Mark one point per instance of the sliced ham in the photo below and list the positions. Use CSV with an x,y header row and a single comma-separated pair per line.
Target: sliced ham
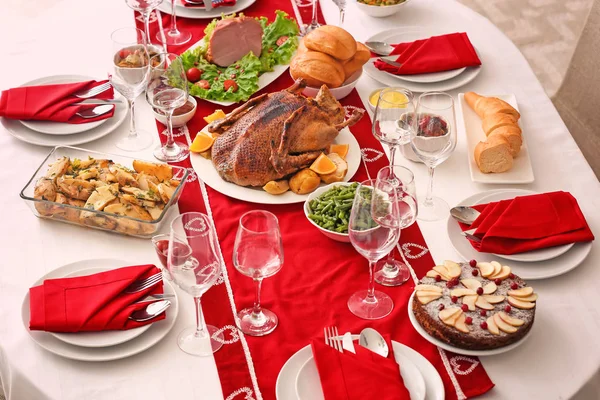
x,y
232,39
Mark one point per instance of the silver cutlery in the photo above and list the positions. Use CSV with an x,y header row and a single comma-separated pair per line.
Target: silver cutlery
x,y
347,343
96,90
142,284
150,311
208,4
95,112
155,297
470,234
342,6
97,101
372,340
380,48
392,63
332,338
464,214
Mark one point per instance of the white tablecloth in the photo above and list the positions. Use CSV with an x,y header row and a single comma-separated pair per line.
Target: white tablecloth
x,y
72,36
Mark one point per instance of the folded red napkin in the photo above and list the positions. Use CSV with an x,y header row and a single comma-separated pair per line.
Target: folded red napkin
x,y
361,376
528,223
90,303
51,102
215,3
438,53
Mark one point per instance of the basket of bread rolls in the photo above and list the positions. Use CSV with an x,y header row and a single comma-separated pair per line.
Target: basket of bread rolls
x,y
500,122
330,56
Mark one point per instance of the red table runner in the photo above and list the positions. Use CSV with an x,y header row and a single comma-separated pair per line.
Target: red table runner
x,y
318,275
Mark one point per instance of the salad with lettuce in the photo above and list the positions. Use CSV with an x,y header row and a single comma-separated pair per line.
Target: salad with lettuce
x,y
279,43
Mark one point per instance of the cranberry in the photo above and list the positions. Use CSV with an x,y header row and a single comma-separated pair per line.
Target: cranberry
x,y
480,291
483,325
514,286
441,307
195,63
219,72
465,307
483,313
511,276
507,309
473,263
216,79
475,272
438,278
232,76
237,66
468,320
498,281
454,299
449,284
242,71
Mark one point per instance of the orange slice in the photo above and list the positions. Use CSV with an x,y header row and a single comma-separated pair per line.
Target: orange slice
x,y
218,114
202,142
340,149
323,165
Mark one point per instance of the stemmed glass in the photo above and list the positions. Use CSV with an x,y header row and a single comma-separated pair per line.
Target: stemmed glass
x,y
392,272
342,6
194,265
314,24
374,230
433,141
168,90
144,7
128,73
258,253
173,36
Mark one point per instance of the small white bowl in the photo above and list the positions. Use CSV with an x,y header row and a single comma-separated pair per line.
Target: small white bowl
x,y
338,92
178,120
340,237
371,105
380,11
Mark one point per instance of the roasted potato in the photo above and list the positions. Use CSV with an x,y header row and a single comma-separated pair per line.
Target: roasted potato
x,y
304,181
161,171
340,172
277,187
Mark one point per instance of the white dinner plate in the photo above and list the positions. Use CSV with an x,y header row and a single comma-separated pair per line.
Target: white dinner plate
x,y
412,33
308,385
153,335
199,13
521,171
60,128
527,270
23,133
206,171
458,350
285,388
431,77
96,339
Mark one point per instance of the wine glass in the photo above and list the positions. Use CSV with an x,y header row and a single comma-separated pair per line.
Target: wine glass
x,y
433,141
144,7
392,272
374,230
173,36
304,3
392,119
194,265
128,74
168,90
258,253
314,24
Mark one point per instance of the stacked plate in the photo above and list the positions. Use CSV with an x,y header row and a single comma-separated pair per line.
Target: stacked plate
x,y
438,81
100,346
299,378
46,133
201,12
538,264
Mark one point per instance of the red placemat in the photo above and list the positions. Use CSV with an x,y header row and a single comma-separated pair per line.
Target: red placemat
x,y
318,275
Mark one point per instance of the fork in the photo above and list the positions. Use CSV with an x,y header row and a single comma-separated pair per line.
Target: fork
x,y
342,6
332,338
140,285
93,91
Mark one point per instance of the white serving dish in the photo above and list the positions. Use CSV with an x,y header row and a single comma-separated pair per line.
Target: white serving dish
x,y
338,92
178,120
340,237
380,11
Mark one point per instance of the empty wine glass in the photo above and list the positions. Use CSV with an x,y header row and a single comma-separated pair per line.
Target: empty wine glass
x,y
144,7
173,36
342,6
128,73
168,90
194,265
304,3
374,230
314,23
258,253
390,271
391,121
433,141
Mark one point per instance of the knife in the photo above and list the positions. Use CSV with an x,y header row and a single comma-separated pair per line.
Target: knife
x,y
470,235
390,62
97,101
347,343
155,297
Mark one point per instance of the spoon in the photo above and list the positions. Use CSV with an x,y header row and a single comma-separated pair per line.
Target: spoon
x,y
464,214
380,48
372,340
151,311
96,111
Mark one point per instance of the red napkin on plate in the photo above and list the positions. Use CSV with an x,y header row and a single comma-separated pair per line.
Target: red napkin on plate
x,y
361,376
215,3
528,223
91,303
438,53
51,102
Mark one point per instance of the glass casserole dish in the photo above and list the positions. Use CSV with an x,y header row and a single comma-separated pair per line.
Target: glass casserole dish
x,y
104,191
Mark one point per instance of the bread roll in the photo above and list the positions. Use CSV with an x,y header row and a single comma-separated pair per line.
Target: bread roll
x,y
317,69
301,47
484,106
331,40
493,155
495,121
359,59
512,134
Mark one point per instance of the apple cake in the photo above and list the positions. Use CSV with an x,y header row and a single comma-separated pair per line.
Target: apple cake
x,y
474,306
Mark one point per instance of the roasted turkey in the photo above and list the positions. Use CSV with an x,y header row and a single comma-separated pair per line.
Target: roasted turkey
x,y
276,134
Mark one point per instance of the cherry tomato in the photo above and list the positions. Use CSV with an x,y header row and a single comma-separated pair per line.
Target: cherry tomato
x,y
204,84
193,74
232,76
230,84
281,40
237,66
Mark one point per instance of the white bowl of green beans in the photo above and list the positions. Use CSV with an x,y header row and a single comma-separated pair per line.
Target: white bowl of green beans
x,y
328,208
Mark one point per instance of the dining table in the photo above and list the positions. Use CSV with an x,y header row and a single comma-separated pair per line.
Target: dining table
x,y
560,360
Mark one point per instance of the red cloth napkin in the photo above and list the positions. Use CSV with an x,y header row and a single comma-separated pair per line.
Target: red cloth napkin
x,y
528,223
438,53
215,3
90,303
51,102
361,376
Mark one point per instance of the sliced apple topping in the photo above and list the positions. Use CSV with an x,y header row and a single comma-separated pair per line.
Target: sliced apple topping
x,y
485,269
443,272
503,274
454,269
524,305
493,299
455,317
470,301
510,320
431,274
428,288
472,284
504,327
491,326
461,325
427,297
483,304
497,267
524,291
462,292
447,313
490,288
531,297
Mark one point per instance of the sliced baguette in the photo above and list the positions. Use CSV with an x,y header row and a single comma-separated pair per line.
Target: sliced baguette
x,y
493,155
495,121
484,106
512,134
